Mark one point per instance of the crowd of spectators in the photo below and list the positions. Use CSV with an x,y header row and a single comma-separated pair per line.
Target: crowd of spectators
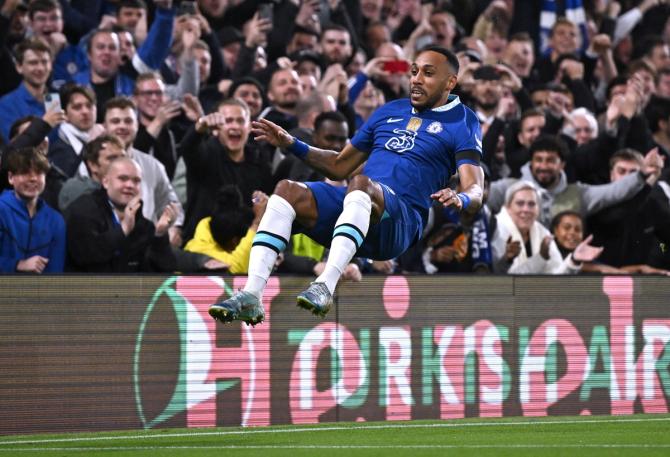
x,y
125,129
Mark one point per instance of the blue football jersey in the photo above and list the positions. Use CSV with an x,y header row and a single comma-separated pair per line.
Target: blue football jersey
x,y
414,153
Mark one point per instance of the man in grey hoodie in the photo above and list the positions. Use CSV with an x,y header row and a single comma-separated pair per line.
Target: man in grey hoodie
x,y
546,171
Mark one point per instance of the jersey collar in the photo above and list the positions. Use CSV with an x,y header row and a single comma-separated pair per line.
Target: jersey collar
x,y
452,101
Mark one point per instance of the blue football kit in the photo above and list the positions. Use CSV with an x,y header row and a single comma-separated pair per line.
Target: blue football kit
x,y
412,155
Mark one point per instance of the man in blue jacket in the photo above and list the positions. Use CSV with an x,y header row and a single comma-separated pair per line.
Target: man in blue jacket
x,y
32,234
33,63
108,76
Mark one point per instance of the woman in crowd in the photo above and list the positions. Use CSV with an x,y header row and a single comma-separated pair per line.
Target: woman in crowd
x,y
522,245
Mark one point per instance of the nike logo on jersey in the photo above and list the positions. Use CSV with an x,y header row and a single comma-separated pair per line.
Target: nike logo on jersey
x,y
393,119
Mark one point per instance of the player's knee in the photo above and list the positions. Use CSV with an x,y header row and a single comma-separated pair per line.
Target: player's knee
x,y
374,194
360,182
283,188
291,191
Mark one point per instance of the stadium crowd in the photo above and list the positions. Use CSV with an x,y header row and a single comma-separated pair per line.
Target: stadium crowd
x,y
126,147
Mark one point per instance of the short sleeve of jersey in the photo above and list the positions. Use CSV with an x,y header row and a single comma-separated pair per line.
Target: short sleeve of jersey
x,y
364,138
469,139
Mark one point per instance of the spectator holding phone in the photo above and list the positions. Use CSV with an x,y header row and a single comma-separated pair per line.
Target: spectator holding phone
x,y
80,111
394,82
33,63
384,67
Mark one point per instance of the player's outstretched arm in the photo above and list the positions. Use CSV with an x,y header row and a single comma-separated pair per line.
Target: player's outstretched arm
x,y
335,165
472,184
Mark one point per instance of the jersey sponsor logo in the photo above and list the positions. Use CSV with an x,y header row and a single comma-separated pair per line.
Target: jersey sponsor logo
x,y
434,127
401,143
391,120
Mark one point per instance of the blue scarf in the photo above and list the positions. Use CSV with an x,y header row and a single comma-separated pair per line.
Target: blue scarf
x,y
479,243
574,12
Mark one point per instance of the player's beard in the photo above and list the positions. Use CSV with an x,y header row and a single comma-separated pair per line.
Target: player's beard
x,y
430,103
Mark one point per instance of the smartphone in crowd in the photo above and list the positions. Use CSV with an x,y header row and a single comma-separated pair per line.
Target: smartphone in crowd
x,y
396,66
52,101
266,11
186,7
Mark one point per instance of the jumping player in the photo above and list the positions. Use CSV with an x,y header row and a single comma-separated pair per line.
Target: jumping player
x,y
410,148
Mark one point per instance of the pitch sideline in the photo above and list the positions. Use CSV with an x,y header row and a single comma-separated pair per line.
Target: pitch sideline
x,y
253,431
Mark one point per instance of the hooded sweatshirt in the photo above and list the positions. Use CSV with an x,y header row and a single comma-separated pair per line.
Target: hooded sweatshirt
x,y
22,237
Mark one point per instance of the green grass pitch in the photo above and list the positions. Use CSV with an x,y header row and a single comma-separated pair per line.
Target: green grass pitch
x,y
640,435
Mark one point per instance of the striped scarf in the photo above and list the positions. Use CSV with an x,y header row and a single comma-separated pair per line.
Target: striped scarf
x,y
574,12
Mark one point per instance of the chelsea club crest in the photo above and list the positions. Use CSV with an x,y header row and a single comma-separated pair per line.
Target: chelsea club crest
x,y
434,127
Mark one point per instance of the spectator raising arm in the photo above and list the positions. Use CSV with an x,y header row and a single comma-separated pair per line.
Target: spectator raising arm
x,y
156,47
